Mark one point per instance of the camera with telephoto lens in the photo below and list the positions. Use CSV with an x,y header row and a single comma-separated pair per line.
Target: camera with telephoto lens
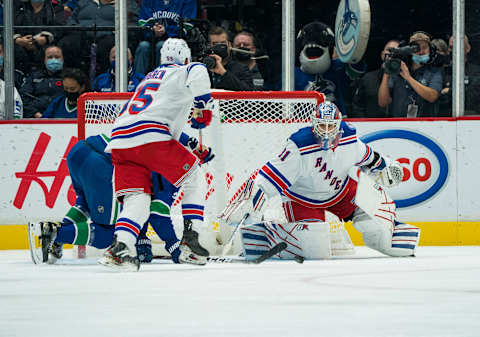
x,y
395,56
195,33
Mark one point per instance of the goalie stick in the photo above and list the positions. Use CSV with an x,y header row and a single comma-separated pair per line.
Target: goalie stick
x,y
229,243
268,254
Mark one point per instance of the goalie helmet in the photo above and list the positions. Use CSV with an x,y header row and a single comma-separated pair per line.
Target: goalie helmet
x,y
326,121
175,51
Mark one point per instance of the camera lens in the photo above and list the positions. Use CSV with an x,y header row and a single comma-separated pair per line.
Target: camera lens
x,y
392,66
209,62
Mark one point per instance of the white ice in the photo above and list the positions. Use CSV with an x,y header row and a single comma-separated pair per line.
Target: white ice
x,y
436,294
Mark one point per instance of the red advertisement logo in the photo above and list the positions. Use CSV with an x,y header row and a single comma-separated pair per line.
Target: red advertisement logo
x,y
31,174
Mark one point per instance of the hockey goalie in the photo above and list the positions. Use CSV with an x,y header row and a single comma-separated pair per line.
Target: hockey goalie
x,y
312,176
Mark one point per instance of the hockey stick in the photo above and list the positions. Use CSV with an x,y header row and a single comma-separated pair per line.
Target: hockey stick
x,y
268,254
229,243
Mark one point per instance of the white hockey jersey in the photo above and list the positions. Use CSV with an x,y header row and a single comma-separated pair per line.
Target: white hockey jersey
x,y
312,177
161,105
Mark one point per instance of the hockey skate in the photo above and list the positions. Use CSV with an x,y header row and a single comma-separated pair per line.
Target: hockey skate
x,y
43,247
118,257
191,250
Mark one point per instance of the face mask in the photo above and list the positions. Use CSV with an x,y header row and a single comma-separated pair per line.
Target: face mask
x,y
1,61
221,50
420,59
54,65
72,96
242,56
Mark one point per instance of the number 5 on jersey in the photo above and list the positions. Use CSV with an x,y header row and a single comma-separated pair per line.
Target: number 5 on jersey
x,y
141,100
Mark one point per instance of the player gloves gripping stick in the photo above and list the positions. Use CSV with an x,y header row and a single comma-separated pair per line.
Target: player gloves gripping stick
x,y
311,175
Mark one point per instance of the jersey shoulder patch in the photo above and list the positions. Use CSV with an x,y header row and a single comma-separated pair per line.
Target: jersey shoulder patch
x,y
303,137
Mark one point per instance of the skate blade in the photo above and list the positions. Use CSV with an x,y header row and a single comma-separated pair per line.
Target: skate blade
x,y
120,267
35,242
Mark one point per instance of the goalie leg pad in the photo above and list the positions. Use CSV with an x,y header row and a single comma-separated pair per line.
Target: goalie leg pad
x,y
398,240
308,240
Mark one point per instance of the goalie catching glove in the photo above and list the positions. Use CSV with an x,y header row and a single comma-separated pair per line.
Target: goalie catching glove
x,y
391,175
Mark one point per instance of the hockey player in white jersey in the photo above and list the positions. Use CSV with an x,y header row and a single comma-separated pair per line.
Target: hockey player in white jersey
x,y
312,176
145,138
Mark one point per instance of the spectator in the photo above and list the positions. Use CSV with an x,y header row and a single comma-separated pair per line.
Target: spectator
x,y
227,74
106,82
246,41
18,112
163,18
472,84
29,45
43,84
18,75
77,45
75,83
365,98
443,59
413,92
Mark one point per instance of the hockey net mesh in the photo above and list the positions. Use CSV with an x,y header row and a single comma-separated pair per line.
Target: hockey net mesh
x,y
247,130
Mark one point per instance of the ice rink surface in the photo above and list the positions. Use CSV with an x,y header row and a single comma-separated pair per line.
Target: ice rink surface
x,y
436,294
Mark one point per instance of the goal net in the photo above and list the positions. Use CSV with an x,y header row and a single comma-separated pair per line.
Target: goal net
x,y
247,130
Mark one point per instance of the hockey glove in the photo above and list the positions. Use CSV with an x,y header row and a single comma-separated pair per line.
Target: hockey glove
x,y
201,118
205,156
144,250
391,175
192,143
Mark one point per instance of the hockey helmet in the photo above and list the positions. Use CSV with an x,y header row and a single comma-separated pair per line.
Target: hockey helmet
x,y
175,51
326,121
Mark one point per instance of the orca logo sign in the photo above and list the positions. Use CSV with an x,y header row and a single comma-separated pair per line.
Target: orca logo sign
x,y
425,163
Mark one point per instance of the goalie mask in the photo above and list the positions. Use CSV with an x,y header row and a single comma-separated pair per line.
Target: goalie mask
x,y
326,125
175,51
315,40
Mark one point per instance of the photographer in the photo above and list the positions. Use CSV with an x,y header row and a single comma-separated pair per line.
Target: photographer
x,y
365,97
414,90
227,74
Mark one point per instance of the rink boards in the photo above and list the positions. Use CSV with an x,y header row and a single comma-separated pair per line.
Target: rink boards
x,y
439,193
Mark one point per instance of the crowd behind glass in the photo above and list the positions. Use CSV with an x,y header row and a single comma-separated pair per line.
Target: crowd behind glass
x,y
53,68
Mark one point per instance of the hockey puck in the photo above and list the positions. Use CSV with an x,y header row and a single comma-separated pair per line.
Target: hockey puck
x,y
299,259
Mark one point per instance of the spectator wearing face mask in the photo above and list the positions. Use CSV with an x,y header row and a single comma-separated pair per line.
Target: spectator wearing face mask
x,y
365,97
75,83
227,74
416,89
106,82
246,41
43,84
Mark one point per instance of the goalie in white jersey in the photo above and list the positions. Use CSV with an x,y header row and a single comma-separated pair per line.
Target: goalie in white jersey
x,y
312,176
145,138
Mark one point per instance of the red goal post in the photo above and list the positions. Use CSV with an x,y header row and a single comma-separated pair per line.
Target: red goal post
x,y
247,130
